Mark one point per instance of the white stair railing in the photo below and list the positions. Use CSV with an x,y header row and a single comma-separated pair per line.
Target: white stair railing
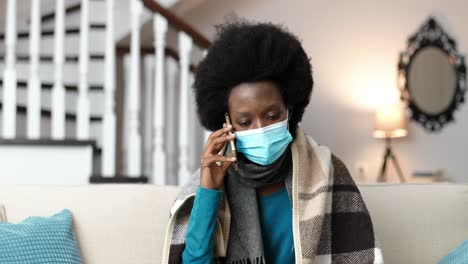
x,y
58,91
34,83
133,148
168,106
109,123
82,109
9,74
159,152
185,47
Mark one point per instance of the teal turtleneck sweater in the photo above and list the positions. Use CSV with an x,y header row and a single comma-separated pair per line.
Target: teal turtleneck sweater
x,y
276,220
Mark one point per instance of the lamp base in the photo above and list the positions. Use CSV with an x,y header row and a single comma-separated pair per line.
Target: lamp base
x,y
389,155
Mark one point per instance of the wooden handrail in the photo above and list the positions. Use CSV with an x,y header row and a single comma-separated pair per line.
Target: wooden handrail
x,y
178,23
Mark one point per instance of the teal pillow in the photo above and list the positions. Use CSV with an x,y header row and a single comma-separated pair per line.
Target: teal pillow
x,y
39,240
457,256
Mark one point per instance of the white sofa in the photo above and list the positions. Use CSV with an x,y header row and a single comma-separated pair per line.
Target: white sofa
x,y
125,224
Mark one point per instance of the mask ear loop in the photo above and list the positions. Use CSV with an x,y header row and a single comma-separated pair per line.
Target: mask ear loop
x,y
287,116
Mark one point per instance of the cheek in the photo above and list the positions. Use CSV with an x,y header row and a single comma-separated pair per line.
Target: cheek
x,y
236,128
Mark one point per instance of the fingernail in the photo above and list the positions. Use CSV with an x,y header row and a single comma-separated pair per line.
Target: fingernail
x,y
233,158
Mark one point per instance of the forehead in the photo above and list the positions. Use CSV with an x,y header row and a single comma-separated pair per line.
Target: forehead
x,y
254,94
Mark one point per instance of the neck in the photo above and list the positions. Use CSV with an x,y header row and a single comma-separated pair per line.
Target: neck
x,y
269,189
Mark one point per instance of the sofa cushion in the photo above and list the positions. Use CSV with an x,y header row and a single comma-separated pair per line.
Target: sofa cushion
x,y
39,240
114,223
418,223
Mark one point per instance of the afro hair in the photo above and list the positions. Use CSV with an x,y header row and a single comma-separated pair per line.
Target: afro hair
x,y
249,52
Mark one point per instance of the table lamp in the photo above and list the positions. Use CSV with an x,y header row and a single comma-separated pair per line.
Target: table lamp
x,y
390,123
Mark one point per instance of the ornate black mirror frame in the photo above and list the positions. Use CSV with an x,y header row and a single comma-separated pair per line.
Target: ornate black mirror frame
x,y
431,34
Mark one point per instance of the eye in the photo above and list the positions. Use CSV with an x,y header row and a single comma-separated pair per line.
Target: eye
x,y
273,116
243,123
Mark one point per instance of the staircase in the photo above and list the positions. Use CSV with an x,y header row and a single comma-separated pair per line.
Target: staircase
x,y
77,95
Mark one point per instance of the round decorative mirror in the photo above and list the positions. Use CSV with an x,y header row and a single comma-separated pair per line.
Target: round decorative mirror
x,y
432,76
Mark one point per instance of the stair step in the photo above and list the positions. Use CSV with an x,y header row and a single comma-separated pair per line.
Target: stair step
x,y
47,58
50,32
70,71
98,26
118,179
96,126
96,11
50,142
96,97
68,10
97,44
47,113
46,161
48,86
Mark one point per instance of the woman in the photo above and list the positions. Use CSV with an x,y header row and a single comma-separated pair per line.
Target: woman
x,y
282,198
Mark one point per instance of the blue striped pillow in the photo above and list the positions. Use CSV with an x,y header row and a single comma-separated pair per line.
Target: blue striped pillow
x,y
457,256
40,240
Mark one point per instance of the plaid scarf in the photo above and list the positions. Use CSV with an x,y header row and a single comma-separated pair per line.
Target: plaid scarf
x,y
331,223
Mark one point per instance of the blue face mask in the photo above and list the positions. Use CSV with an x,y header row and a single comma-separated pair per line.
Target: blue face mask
x,y
264,145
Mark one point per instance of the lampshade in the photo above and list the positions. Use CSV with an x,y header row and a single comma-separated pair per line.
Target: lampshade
x,y
390,122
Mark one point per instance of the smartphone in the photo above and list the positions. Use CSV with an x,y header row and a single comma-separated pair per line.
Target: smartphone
x,y
228,122
231,142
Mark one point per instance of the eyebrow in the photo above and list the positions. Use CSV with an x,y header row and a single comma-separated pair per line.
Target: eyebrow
x,y
269,108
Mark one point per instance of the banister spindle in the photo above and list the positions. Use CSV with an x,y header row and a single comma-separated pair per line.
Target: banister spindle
x,y
109,126
196,134
172,75
34,83
82,106
206,133
159,152
9,74
185,46
147,114
58,91
133,164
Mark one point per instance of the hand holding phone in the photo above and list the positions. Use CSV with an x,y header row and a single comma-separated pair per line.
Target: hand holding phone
x,y
213,164
233,145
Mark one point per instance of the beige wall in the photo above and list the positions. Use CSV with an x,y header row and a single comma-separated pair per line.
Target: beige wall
x,y
354,47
